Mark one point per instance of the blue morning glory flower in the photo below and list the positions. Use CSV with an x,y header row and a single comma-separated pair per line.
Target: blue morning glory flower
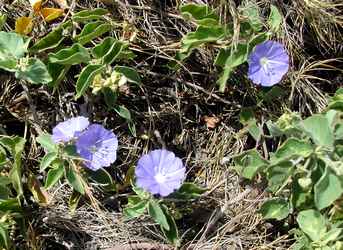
x,y
98,146
268,63
160,172
69,129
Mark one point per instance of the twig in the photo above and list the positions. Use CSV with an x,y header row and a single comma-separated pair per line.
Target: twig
x,y
219,213
141,246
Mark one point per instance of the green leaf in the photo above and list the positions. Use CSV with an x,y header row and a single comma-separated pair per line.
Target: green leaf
x,y
189,191
34,71
74,55
301,198
135,210
132,128
92,30
172,234
275,209
336,102
101,176
249,163
4,237
89,15
75,180
246,115
8,63
123,112
202,14
47,143
58,73
331,236
86,77
130,74
201,36
10,205
312,223
291,148
156,212
143,195
328,189
3,19
275,18
15,145
13,45
54,175
109,50
74,201
53,39
251,12
47,160
279,174
318,128
229,59
110,97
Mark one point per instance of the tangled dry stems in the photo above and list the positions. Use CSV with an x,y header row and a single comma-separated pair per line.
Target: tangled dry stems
x,y
171,106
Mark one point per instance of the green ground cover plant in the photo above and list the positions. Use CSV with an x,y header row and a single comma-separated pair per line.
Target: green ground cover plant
x,y
171,124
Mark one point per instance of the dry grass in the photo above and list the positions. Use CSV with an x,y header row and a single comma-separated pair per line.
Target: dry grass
x,y
169,110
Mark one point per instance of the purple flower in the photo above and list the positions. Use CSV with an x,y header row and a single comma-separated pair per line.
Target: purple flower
x,y
268,63
69,129
98,146
160,172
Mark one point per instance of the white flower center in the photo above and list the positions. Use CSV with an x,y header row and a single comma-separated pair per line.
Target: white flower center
x,y
160,178
264,62
93,149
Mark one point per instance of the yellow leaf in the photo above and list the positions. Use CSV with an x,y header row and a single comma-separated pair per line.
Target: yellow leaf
x,y
36,5
23,25
51,14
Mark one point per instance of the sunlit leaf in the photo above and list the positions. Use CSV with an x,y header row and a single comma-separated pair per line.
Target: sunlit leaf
x,y
89,15
318,128
201,36
12,45
47,143
86,77
275,18
74,201
135,210
172,233
38,192
229,59
156,212
312,223
202,14
249,163
51,14
328,189
75,180
53,39
251,11
54,175
36,5
23,25
71,56
130,73
93,30
47,160
34,71
275,209
3,19
109,50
